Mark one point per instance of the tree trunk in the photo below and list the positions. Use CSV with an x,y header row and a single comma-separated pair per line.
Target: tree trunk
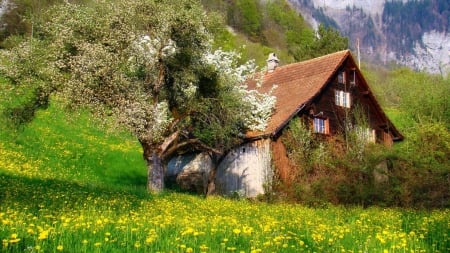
x,y
155,172
217,159
211,185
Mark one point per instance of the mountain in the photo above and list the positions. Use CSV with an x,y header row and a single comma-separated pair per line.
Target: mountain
x,y
412,33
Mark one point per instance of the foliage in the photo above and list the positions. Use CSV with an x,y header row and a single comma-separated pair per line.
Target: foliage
x,y
279,26
59,214
303,148
21,16
348,170
64,189
419,96
327,41
245,15
150,67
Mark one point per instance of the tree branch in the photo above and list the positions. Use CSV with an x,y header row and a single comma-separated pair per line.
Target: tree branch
x,y
168,141
195,142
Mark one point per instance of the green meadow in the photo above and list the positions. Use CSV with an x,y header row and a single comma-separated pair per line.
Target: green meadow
x,y
68,185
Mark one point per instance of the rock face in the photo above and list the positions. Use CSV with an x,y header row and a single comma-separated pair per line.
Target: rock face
x,y
190,172
239,173
409,32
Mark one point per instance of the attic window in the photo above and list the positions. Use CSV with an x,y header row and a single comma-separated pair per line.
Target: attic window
x,y
342,98
321,125
353,77
341,77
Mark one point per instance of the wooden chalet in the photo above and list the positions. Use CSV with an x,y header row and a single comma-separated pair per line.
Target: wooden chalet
x,y
323,92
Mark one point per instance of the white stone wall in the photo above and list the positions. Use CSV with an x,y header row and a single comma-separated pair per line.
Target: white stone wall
x,y
190,171
246,170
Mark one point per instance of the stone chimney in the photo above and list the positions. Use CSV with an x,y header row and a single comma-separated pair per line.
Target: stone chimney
x,y
272,62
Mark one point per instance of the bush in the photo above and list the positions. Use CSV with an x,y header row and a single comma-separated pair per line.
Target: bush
x,y
413,174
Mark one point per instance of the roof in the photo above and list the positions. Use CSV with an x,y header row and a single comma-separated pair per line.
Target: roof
x,y
297,85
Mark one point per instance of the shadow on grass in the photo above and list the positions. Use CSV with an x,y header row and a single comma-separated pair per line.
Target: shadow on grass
x,y
36,194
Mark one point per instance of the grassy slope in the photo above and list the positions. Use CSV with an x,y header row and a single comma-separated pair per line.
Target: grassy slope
x,y
66,185
68,146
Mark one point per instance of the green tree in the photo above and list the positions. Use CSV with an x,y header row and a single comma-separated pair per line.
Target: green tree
x,y
246,17
21,15
150,67
327,41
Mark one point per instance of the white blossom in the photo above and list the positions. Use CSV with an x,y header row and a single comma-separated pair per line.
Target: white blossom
x,y
259,106
147,50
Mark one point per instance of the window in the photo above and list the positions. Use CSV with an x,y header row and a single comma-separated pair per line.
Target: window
x,y
342,98
321,125
366,134
341,77
353,78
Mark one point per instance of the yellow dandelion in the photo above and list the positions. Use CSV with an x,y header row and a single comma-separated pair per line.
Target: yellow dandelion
x,y
189,250
59,248
43,235
16,240
236,231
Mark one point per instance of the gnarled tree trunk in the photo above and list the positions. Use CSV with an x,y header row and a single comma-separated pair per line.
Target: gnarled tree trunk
x,y
155,166
217,158
155,173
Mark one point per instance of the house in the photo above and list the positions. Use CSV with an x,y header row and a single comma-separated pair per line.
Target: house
x,y
322,91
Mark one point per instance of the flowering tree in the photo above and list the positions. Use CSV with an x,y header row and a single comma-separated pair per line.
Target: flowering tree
x,y
149,66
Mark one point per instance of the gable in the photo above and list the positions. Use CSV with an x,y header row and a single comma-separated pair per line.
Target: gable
x,y
296,84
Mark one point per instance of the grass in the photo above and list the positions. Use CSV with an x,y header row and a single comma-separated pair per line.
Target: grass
x,y
68,186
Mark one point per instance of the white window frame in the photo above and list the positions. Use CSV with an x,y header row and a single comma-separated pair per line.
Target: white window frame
x,y
341,77
342,98
320,125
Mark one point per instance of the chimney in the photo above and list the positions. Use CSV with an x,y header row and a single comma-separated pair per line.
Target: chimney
x,y
272,62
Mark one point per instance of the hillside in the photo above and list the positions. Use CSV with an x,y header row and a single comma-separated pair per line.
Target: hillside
x,y
408,33
415,102
66,185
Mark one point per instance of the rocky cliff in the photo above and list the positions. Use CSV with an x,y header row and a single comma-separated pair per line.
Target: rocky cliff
x,y
413,33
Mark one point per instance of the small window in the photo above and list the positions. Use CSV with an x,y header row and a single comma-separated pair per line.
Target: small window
x,y
353,78
342,98
321,125
341,77
366,134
